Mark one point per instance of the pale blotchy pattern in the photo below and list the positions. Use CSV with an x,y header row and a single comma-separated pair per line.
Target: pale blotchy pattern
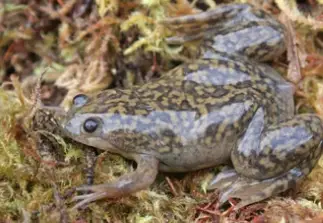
x,y
225,106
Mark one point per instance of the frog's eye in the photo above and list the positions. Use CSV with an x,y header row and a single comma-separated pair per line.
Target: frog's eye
x,y
79,100
90,125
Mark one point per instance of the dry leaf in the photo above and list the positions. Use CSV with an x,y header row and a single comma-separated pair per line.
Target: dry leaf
x,y
295,52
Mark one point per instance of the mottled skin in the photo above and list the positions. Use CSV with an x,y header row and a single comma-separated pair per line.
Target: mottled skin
x,y
226,106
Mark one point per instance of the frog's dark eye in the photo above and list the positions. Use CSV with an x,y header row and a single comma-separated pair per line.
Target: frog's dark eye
x,y
79,99
90,125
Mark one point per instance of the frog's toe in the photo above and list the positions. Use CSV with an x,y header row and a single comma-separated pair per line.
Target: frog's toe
x,y
232,185
88,198
223,180
93,193
249,191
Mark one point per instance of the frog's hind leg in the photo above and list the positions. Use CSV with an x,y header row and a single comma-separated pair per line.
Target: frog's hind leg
x,y
271,160
234,29
233,185
266,152
195,25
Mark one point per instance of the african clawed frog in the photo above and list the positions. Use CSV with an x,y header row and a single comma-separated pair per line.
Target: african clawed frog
x,y
227,106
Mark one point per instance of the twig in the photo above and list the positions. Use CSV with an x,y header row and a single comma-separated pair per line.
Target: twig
x,y
172,188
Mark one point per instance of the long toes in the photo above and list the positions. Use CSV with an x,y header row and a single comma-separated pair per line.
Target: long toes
x,y
93,188
249,191
244,199
223,180
81,197
88,198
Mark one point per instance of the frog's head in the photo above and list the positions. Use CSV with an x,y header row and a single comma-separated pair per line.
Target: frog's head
x,y
85,123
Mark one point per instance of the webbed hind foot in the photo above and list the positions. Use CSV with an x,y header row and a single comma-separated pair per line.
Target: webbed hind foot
x,y
233,185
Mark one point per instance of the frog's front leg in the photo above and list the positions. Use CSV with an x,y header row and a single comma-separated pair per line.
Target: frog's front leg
x,y
270,160
234,29
91,157
141,178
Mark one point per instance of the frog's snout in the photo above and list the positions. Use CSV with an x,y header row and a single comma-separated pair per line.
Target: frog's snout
x,y
69,128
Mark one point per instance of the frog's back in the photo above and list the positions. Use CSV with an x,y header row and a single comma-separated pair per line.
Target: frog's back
x,y
225,79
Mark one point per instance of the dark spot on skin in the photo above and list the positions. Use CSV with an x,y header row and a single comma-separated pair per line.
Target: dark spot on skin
x,y
168,133
220,92
185,105
212,130
238,97
244,84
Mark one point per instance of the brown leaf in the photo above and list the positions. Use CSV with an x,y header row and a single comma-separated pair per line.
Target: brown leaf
x,y
295,52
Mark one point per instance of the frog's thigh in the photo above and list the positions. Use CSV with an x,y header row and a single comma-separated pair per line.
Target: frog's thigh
x,y
234,29
143,177
266,152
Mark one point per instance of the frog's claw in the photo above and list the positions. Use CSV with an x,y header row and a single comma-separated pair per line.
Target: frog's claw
x,y
144,175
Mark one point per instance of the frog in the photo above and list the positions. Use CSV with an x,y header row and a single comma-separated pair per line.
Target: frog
x,y
227,107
